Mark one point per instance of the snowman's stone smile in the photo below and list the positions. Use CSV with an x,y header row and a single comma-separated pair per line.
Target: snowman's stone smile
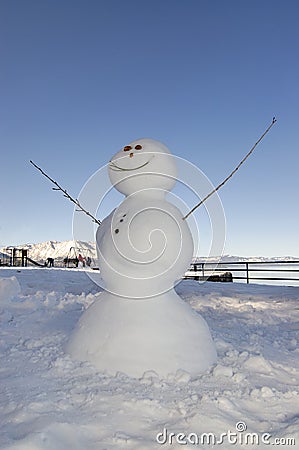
x,y
114,166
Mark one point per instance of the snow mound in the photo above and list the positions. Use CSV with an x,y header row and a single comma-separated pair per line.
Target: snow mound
x,y
159,334
9,288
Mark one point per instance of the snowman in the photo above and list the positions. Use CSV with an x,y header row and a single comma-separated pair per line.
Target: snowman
x,y
139,323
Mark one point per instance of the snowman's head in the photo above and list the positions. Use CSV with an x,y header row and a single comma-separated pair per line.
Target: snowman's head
x,y
142,164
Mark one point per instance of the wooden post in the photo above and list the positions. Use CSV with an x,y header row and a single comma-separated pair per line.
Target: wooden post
x,y
14,250
247,273
24,257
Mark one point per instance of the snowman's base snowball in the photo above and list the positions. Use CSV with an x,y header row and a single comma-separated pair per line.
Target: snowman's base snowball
x,y
162,334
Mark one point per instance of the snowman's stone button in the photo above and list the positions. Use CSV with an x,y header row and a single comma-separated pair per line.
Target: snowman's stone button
x,y
121,220
116,231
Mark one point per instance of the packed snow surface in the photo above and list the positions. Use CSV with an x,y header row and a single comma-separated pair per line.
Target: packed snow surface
x,y
49,401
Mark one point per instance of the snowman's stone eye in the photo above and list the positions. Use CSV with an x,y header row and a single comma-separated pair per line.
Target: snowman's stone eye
x,y
138,147
127,148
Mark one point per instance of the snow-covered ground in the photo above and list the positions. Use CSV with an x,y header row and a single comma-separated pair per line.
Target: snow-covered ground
x,y
49,401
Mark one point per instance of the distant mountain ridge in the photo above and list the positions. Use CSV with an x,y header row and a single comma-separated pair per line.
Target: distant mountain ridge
x,y
60,250
232,258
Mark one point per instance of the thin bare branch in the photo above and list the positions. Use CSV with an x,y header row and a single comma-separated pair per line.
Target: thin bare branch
x,y
233,172
66,194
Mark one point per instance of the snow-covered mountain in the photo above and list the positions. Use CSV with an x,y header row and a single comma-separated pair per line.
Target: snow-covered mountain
x,y
60,250
233,258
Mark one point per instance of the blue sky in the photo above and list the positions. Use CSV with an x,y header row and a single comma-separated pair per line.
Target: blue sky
x,y
80,79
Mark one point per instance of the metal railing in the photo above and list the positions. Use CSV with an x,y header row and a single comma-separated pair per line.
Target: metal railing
x,y
246,270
